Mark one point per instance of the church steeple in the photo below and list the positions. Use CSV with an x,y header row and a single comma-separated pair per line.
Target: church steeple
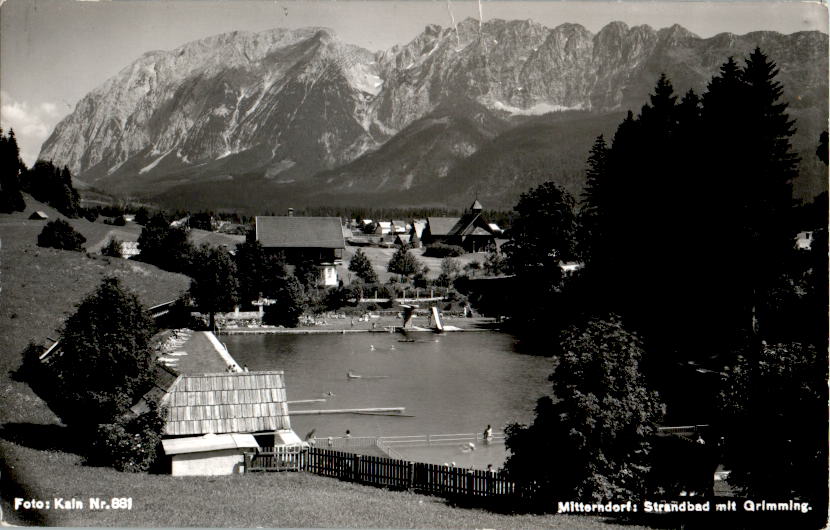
x,y
476,207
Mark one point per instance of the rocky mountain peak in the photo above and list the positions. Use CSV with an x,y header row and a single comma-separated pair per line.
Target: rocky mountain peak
x,y
285,104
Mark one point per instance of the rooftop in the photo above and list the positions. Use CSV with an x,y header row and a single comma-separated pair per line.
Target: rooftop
x,y
299,232
242,402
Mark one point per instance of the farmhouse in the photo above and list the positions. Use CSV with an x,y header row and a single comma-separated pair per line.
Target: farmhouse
x,y
316,239
213,418
470,231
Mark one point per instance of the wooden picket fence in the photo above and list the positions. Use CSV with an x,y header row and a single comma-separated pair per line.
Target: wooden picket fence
x,y
275,459
389,473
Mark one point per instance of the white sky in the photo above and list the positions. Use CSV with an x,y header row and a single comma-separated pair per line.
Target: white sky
x,y
52,52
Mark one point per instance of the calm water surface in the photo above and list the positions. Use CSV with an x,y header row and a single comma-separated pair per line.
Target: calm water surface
x,y
451,383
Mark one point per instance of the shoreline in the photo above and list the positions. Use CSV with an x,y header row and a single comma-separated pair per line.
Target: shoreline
x,y
382,324
295,331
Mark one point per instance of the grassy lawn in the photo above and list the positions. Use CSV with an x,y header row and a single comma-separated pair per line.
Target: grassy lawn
x,y
41,287
257,500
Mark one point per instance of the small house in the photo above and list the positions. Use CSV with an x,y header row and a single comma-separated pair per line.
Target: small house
x,y
243,403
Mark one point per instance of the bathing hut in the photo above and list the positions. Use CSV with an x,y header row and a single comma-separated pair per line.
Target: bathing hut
x,y
239,403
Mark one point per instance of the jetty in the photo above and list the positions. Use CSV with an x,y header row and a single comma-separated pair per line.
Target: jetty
x,y
346,411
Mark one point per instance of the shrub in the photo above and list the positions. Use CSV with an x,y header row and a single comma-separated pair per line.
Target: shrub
x,y
113,249
442,250
116,221
130,444
60,234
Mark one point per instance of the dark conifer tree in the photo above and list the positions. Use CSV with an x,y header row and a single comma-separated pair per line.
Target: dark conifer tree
x,y
593,202
11,198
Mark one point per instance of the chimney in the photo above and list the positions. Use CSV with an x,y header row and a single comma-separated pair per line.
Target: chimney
x,y
291,212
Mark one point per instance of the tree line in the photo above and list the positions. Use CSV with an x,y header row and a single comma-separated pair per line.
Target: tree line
x,y
694,306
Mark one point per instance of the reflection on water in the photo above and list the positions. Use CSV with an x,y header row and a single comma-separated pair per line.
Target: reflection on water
x,y
452,383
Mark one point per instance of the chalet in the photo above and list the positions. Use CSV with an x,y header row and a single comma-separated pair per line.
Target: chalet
x,y
470,231
317,239
213,418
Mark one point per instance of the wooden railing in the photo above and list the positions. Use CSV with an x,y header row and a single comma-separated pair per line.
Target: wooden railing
x,y
390,473
276,459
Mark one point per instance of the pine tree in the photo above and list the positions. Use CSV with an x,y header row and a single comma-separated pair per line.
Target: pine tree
x,y
11,198
403,262
593,204
362,267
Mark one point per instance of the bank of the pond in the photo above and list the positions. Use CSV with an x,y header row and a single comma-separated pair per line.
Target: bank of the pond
x,y
380,324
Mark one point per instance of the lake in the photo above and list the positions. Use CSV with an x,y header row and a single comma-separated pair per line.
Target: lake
x,y
448,383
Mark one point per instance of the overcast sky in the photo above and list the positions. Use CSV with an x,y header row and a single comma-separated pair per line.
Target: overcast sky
x,y
52,52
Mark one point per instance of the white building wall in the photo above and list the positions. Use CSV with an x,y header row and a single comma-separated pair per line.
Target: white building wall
x,y
328,275
208,463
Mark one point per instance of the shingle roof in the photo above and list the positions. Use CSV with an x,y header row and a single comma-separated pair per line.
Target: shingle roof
x,y
243,402
299,232
441,226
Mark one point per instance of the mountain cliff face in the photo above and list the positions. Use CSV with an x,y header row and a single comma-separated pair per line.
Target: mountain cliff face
x,y
282,106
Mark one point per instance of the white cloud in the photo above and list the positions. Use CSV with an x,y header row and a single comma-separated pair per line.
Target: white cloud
x,y
32,123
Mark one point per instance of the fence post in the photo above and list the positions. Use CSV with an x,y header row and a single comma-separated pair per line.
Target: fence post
x,y
471,486
356,468
247,462
411,479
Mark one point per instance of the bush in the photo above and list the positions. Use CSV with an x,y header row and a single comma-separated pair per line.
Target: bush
x,y
441,250
113,249
130,444
60,234
117,221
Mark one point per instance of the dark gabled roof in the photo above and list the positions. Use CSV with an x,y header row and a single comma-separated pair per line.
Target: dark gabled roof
x,y
441,226
243,402
299,232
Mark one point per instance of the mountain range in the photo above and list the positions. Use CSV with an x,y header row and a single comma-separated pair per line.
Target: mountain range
x,y
290,117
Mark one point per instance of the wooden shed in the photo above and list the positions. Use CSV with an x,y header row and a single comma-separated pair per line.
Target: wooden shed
x,y
208,455
250,403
